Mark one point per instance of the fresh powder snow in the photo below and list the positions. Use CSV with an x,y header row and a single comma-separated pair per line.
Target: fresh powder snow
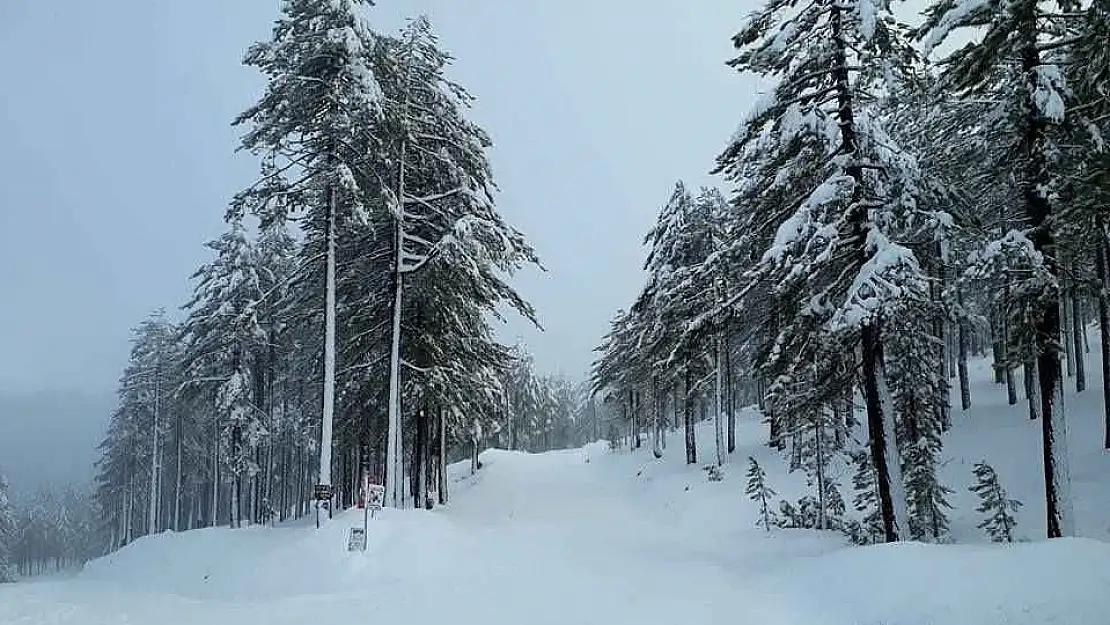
x,y
594,536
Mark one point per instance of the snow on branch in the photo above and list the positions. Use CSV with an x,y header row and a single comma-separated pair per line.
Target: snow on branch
x,y
803,224
1049,91
891,275
956,13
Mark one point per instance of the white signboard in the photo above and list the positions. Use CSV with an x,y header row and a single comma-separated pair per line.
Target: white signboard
x,y
375,496
357,539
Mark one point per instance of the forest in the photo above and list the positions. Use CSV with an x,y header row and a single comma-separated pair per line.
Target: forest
x,y
887,217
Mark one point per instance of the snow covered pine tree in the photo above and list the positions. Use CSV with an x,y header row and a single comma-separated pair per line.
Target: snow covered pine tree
x,y
835,257
994,502
318,121
1036,101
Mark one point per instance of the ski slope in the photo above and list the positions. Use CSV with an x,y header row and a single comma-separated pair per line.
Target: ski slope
x,y
589,536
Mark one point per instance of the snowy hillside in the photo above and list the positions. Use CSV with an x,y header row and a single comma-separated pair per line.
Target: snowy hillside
x,y
592,536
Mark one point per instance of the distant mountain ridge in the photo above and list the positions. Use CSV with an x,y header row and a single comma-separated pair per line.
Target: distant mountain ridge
x,y
49,438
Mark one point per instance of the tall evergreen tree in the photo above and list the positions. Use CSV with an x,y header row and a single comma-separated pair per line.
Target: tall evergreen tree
x,y
920,398
1018,56
132,469
316,127
831,200
452,250
224,335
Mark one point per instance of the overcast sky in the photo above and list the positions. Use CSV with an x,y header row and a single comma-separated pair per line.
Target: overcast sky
x,y
117,154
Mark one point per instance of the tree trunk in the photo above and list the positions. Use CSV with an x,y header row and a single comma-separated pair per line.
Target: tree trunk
x,y
884,449
940,331
688,422
1054,437
1007,361
1104,330
419,459
442,457
953,336
152,517
730,397
719,398
213,519
1033,388
998,347
1040,222
177,493
656,417
819,443
394,442
633,422
329,341
1011,381
962,338
662,398
678,408
474,449
236,477
1078,330
1066,303
776,437
510,418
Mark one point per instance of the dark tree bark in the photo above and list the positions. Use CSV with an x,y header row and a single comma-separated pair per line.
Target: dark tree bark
x,y
886,470
633,407
442,456
688,421
1078,331
1066,303
998,348
730,392
940,331
961,363
1032,388
1039,213
1104,330
418,459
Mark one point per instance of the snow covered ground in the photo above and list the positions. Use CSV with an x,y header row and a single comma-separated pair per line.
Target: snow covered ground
x,y
588,536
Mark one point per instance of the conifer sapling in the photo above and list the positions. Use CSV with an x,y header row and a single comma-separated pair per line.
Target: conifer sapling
x,y
760,492
1000,509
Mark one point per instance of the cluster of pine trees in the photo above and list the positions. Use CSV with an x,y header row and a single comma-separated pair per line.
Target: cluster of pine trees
x,y
887,216
49,531
342,327
546,412
8,533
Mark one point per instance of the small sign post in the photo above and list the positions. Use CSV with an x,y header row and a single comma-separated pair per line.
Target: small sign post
x,y
322,494
362,494
357,539
370,500
375,497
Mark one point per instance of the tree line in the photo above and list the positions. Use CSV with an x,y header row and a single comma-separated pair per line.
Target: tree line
x,y
46,532
887,215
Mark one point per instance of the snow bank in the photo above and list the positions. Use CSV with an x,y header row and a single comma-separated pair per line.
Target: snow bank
x,y
1063,581
258,562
